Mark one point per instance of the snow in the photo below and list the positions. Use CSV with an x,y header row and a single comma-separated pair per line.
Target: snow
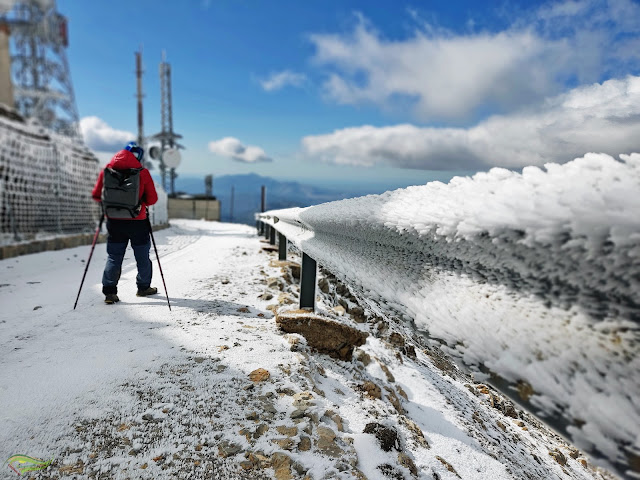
x,y
133,390
533,275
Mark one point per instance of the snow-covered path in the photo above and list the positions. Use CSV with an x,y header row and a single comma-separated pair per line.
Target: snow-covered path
x,y
58,363
135,391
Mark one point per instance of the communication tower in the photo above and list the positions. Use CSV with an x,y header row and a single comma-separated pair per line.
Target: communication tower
x,y
170,157
42,87
139,97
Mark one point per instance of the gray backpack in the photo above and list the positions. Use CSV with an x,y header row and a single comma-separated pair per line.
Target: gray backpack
x,y
121,193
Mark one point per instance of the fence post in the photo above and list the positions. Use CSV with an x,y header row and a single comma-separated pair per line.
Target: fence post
x,y
308,283
272,236
282,247
233,194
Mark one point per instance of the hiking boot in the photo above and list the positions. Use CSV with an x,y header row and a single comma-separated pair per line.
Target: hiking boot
x,y
147,291
111,298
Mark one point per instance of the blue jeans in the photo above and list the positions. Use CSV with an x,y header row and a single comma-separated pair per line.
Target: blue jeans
x,y
120,233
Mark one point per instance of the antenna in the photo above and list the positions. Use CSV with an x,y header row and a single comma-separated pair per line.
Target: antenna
x,y
140,96
170,156
39,69
208,186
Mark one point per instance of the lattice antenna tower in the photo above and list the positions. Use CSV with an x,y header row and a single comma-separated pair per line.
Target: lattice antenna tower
x,y
39,67
166,136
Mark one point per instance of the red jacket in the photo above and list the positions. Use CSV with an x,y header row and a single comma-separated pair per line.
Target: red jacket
x,y
122,160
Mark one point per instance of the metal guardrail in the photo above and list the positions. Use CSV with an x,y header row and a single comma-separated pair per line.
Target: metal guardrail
x,y
385,250
308,271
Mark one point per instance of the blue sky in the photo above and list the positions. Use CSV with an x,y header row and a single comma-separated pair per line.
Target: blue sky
x,y
384,91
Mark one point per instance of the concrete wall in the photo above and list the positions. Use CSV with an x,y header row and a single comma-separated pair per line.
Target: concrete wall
x,y
57,243
194,208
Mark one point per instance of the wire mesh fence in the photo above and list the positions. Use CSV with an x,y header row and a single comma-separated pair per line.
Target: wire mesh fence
x,y
45,184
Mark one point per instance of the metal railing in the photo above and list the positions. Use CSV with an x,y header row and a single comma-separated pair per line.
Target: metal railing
x,y
368,257
308,268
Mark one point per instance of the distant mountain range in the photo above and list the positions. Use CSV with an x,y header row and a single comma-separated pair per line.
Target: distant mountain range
x,y
247,192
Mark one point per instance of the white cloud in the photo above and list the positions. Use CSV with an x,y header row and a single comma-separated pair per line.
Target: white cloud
x,y
231,147
99,136
596,118
448,76
277,81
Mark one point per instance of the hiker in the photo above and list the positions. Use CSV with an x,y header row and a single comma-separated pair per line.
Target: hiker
x,y
125,207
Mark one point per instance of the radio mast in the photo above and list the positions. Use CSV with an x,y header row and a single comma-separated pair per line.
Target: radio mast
x,y
42,87
139,96
170,158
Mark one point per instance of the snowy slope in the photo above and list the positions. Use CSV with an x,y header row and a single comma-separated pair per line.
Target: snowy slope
x,y
135,391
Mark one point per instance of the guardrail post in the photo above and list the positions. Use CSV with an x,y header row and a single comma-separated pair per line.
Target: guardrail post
x,y
272,236
267,227
282,247
308,283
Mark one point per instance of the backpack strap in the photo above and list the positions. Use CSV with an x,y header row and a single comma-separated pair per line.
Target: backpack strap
x,y
138,207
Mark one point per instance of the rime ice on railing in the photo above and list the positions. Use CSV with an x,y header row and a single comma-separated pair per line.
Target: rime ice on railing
x,y
533,277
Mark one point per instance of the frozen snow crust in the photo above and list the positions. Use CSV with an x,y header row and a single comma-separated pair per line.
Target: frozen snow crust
x,y
533,276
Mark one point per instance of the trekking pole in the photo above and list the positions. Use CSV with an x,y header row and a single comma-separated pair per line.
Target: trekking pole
x,y
158,258
93,246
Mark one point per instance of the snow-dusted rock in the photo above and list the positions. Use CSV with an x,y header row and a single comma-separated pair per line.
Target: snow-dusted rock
x,y
326,336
